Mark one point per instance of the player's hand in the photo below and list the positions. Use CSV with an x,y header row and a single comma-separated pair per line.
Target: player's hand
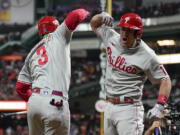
x,y
107,19
156,112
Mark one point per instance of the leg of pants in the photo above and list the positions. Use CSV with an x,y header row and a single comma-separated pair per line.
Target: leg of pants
x,y
109,128
46,119
35,125
124,119
58,123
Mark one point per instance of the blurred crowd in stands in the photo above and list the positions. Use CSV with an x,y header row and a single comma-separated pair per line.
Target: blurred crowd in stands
x,y
8,73
60,11
157,10
17,126
84,71
161,9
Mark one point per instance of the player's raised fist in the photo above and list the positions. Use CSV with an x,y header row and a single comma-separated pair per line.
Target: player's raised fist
x,y
107,19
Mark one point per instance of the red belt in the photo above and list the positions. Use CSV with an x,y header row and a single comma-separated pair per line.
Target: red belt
x,y
118,101
54,92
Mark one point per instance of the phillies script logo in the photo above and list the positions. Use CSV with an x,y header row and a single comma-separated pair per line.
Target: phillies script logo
x,y
119,63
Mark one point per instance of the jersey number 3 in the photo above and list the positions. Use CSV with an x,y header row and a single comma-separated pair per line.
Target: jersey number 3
x,y
41,52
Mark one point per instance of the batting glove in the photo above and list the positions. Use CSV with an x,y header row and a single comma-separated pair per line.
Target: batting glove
x,y
156,112
107,19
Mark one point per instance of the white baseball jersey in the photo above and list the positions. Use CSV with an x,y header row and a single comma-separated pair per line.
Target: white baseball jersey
x,y
128,68
48,64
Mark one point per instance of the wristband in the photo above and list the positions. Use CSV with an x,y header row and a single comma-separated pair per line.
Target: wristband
x,y
162,99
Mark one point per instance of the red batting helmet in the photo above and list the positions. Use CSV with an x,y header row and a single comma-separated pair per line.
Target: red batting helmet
x,y
132,21
47,24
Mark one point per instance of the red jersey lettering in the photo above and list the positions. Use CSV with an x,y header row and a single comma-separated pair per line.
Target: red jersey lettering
x,y
119,63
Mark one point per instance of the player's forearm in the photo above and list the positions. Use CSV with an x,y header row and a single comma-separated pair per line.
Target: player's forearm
x,y
149,132
164,91
75,17
156,124
96,22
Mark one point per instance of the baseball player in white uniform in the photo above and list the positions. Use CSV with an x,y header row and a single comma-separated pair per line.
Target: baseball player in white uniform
x,y
45,77
129,63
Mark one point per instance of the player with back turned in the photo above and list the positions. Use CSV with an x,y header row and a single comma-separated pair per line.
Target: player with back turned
x,y
45,77
129,63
